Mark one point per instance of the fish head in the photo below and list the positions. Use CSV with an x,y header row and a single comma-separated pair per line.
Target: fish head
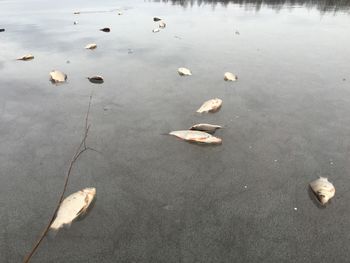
x,y
323,197
90,192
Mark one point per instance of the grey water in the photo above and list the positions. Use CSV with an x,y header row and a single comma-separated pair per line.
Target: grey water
x,y
159,199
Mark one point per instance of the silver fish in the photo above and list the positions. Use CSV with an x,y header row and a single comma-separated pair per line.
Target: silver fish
x,y
72,207
210,106
196,136
205,127
323,189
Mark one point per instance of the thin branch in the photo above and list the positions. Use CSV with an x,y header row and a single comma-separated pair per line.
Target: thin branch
x,y
79,151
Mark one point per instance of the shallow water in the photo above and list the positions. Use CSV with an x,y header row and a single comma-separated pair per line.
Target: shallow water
x,y
160,199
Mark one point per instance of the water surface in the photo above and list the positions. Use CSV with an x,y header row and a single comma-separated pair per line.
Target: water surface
x,y
160,199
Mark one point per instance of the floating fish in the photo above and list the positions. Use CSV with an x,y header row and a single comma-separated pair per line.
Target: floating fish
x,y
73,206
91,46
156,30
106,29
230,76
184,72
156,19
96,79
196,136
210,106
323,189
26,57
58,76
162,24
205,127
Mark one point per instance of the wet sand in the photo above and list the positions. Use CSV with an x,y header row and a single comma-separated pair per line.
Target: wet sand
x,y
159,199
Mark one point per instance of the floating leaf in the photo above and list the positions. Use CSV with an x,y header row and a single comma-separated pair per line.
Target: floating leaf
x,y
205,127
57,76
196,136
162,24
156,19
230,76
72,207
184,72
96,79
323,189
105,29
91,46
156,30
210,105
26,57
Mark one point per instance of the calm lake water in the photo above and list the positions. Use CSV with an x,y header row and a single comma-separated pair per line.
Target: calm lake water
x,y
286,122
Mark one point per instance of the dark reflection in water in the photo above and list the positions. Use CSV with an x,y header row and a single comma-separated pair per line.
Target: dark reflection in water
x,y
322,5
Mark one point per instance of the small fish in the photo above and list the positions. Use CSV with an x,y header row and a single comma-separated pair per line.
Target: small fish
x,y
196,136
162,24
323,189
228,76
96,79
91,46
156,19
57,76
184,72
210,105
26,57
156,30
210,128
73,206
105,29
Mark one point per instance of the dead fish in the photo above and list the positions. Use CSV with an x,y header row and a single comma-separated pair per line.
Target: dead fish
x,y
162,24
156,19
323,189
105,29
57,76
196,136
184,72
210,105
91,46
205,127
26,57
2,29
73,206
228,76
156,30
96,79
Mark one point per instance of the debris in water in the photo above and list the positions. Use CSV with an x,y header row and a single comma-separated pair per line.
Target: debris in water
x,y
73,206
156,30
228,76
130,51
96,79
91,46
2,29
162,24
76,13
119,13
105,29
323,189
156,19
75,22
184,72
205,127
295,208
237,33
210,105
196,136
26,57
57,76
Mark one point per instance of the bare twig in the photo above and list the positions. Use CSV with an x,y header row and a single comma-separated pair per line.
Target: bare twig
x,y
79,151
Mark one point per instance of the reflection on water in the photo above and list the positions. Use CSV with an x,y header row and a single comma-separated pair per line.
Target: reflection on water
x,y
322,5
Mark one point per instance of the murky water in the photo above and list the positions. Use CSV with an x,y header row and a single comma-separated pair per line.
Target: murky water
x,y
160,199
